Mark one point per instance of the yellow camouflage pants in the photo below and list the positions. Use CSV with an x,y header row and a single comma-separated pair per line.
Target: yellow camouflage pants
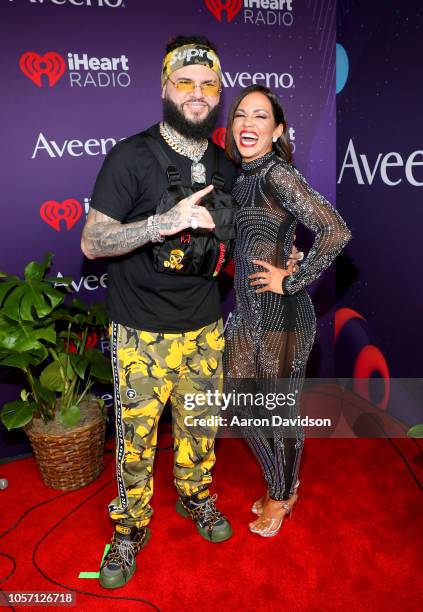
x,y
149,369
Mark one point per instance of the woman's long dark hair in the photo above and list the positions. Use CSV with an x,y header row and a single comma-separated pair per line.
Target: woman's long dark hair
x,y
282,146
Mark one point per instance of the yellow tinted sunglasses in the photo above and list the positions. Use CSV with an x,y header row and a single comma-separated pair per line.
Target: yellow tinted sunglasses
x,y
188,86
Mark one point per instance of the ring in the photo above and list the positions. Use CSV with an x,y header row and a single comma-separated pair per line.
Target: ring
x,y
194,223
300,255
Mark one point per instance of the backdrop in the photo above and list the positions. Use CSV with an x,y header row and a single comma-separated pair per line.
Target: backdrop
x,y
379,190
78,75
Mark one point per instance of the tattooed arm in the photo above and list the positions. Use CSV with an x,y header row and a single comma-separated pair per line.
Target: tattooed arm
x,y
103,236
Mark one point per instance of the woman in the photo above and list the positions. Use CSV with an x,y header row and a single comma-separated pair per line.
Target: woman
x,y
271,332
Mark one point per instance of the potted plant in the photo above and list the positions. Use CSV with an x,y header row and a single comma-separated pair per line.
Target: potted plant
x,y
50,338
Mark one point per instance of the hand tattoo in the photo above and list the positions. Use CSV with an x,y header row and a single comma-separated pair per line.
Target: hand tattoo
x,y
170,220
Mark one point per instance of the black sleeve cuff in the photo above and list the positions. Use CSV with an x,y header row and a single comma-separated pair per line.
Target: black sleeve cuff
x,y
284,281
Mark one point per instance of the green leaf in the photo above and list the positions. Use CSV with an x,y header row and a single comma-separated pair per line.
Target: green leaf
x,y
64,360
17,414
81,318
23,360
55,296
22,338
59,314
29,300
416,431
65,335
70,416
79,304
55,375
99,314
26,311
48,258
100,402
32,298
101,368
34,271
12,303
47,395
5,287
39,296
79,364
46,333
51,377
45,297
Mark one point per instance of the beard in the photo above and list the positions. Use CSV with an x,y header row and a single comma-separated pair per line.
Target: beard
x,y
196,130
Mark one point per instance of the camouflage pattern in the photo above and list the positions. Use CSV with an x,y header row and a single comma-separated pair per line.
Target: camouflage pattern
x,y
188,55
150,368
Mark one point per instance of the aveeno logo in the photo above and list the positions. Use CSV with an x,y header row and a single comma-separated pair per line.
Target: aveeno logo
x,y
272,80
388,167
91,282
92,3
72,147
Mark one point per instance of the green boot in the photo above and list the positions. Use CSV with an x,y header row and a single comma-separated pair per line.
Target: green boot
x,y
211,524
119,564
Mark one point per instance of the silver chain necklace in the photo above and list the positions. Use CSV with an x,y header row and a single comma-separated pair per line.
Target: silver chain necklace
x,y
193,149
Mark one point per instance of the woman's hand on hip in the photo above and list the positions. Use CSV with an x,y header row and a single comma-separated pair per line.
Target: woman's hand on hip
x,y
269,279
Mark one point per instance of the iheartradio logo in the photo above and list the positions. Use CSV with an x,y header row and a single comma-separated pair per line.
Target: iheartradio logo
x,y
83,70
255,12
34,66
218,7
53,212
219,137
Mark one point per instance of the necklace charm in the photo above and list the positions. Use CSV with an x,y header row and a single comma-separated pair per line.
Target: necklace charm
x,y
198,173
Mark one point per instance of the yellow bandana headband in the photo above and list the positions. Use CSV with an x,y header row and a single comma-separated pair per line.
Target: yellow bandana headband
x,y
187,55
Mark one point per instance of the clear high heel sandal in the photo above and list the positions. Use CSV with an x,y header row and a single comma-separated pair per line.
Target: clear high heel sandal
x,y
271,526
257,507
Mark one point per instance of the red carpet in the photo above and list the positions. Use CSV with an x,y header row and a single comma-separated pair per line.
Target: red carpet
x,y
355,538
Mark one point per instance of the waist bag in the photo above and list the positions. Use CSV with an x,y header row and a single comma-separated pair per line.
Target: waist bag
x,y
192,252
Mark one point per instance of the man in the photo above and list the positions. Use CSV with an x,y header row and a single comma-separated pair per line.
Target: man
x,y
166,331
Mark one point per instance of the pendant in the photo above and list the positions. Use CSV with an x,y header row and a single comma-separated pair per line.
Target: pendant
x,y
198,173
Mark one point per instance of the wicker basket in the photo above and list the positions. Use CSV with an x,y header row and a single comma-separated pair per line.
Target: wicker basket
x,y
72,459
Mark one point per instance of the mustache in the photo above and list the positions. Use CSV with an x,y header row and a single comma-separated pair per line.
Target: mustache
x,y
198,100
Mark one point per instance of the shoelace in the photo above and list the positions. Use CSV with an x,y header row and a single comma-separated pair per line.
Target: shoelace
x,y
122,550
207,509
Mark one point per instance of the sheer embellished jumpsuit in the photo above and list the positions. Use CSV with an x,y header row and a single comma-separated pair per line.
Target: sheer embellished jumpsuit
x,y
269,336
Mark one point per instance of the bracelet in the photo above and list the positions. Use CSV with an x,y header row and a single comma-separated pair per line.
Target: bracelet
x,y
153,229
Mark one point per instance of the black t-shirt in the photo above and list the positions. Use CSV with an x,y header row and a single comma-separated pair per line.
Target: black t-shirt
x,y
128,188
